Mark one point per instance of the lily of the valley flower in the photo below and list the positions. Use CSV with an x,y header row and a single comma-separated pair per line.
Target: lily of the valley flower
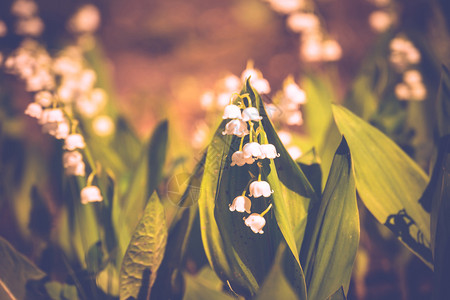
x,y
241,204
238,159
256,222
73,163
269,151
51,115
90,194
74,141
60,130
260,188
34,110
236,127
250,114
232,112
252,150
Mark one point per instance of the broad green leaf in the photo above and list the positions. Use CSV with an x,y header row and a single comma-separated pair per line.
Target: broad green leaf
x,y
218,244
338,295
146,250
335,237
234,251
438,191
129,207
388,181
15,271
204,286
284,279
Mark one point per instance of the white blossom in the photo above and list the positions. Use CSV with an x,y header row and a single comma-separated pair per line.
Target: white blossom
x,y
238,159
232,112
252,150
24,8
3,29
294,93
331,50
43,98
285,137
241,204
51,115
261,85
74,141
236,127
294,118
256,223
34,110
260,188
269,151
250,114
73,163
60,130
90,194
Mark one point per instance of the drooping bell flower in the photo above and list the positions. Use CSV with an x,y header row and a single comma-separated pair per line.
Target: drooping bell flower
x,y
252,150
241,204
260,188
236,127
256,222
269,151
238,159
250,114
232,112
91,194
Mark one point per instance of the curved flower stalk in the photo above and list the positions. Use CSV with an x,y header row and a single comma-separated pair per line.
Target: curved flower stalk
x,y
247,154
63,86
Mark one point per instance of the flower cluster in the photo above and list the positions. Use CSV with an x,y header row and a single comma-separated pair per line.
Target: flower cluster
x,y
405,57
216,100
383,17
63,89
242,123
315,45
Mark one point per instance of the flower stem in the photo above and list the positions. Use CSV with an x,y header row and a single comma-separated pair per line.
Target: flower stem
x,y
241,144
267,210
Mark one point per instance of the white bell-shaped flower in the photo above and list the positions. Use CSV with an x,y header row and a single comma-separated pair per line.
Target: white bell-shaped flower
x,y
238,159
252,150
250,114
73,163
232,112
260,188
59,130
74,141
269,151
294,93
44,98
90,194
34,110
51,115
236,127
241,204
256,223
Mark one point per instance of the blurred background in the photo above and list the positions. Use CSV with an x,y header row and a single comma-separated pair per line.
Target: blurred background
x,y
161,57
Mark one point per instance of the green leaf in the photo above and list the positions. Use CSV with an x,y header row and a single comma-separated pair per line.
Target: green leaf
x,y
335,238
235,252
145,251
178,237
15,271
204,286
285,280
388,181
156,156
438,191
338,295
